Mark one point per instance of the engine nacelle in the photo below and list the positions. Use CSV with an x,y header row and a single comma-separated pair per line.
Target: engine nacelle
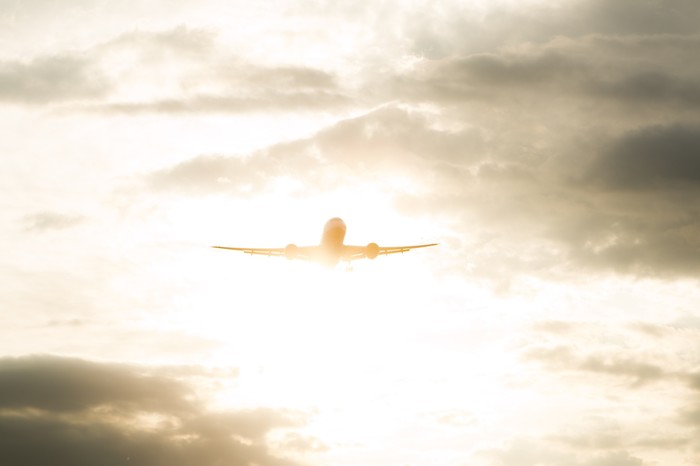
x,y
291,251
372,251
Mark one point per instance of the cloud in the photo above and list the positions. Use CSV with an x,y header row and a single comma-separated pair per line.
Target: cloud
x,y
613,363
555,327
482,77
387,140
469,29
650,158
638,364
616,458
44,221
569,125
453,418
649,87
610,72
632,17
567,140
261,102
73,411
642,217
51,79
604,210
296,442
687,321
532,452
691,414
564,358
59,384
590,138
174,71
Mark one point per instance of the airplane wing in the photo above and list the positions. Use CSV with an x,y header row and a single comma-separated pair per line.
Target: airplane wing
x,y
303,252
373,250
252,251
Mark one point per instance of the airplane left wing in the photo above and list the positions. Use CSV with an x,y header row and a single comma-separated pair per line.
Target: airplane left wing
x,y
291,251
259,251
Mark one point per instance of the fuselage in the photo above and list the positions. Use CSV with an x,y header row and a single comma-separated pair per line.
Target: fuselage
x,y
332,241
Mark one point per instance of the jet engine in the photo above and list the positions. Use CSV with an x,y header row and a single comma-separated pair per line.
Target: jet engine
x,y
372,251
291,251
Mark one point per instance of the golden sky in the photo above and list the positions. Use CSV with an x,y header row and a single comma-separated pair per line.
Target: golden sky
x,y
552,148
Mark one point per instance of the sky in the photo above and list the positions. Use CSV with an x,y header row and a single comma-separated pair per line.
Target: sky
x,y
552,148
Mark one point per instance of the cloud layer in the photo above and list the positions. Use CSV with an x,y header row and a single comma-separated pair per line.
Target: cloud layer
x,y
73,411
174,71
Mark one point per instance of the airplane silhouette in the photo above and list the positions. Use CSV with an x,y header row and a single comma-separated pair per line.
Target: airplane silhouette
x,y
331,250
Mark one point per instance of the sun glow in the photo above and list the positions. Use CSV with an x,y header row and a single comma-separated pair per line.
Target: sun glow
x,y
339,346
269,312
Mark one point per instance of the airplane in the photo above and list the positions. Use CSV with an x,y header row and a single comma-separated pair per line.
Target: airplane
x,y
331,250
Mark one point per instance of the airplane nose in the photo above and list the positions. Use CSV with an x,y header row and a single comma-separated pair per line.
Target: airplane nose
x,y
335,222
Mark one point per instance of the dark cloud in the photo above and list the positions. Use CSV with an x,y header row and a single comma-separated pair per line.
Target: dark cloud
x,y
35,441
439,33
659,242
575,123
655,157
650,87
486,76
644,18
643,217
593,72
71,411
59,384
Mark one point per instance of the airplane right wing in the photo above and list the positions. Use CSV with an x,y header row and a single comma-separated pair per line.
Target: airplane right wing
x,y
385,250
372,250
